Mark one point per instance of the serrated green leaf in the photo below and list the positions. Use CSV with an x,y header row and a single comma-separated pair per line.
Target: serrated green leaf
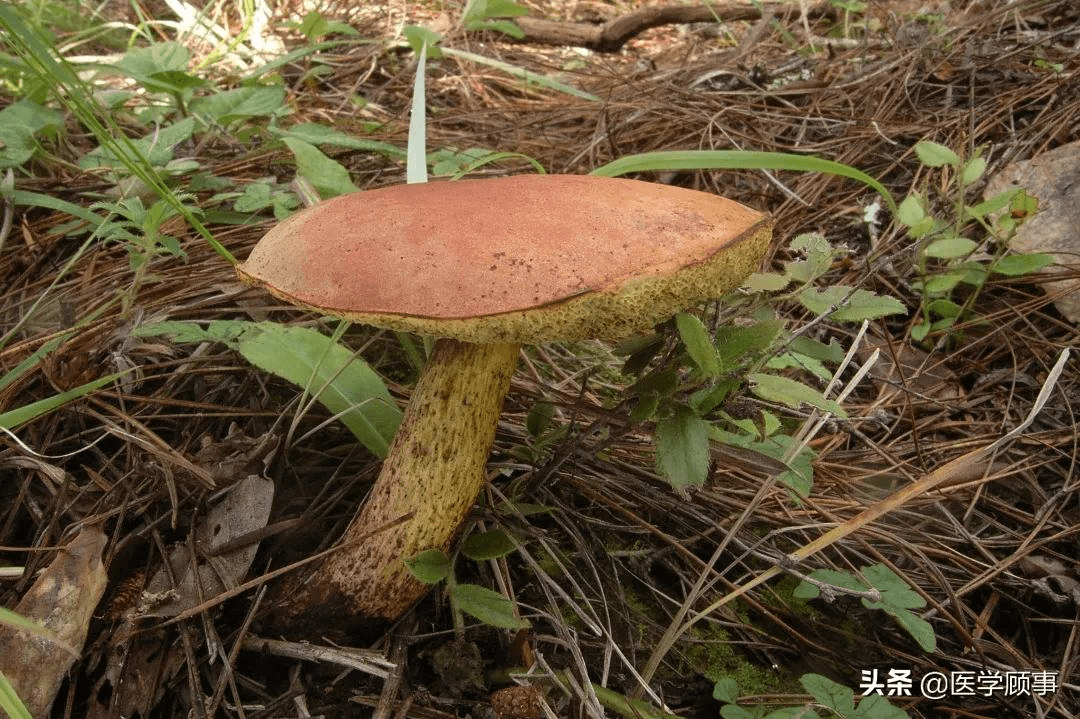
x,y
430,566
932,154
792,393
326,175
489,607
950,248
698,343
848,304
491,544
819,258
1018,264
682,449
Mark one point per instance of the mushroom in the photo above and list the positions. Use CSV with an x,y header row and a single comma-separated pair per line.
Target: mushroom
x,y
486,266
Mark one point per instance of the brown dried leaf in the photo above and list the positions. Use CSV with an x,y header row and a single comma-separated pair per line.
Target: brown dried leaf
x,y
62,600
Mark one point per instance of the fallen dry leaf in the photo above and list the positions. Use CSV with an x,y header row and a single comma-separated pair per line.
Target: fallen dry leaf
x,y
62,600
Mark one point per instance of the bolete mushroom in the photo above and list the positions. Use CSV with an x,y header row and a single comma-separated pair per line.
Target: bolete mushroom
x,y
486,266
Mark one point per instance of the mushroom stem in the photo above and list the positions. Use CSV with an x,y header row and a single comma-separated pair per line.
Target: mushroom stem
x,y
435,469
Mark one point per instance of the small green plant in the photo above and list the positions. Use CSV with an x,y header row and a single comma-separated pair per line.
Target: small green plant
x,y
434,565
832,698
141,230
689,393
897,598
491,15
952,269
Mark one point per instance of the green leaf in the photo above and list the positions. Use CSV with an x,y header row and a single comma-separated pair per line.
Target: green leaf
x,y
19,122
161,67
828,693
326,175
430,566
876,706
819,258
156,147
698,344
911,211
851,305
316,134
792,393
831,352
645,409
994,204
418,35
726,690
315,25
489,607
492,544
735,343
943,308
932,154
918,628
253,101
682,449
942,283
507,27
708,398
345,384
894,589
766,282
1018,264
973,169
950,248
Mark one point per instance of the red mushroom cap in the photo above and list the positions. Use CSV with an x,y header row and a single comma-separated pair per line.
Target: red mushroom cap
x,y
528,258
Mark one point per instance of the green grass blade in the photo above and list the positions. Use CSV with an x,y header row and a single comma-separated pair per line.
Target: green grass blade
x,y
10,702
738,160
21,415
